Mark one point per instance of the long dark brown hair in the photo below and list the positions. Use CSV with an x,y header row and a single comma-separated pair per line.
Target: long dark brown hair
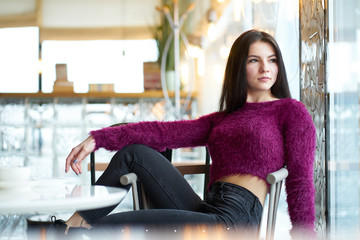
x,y
234,90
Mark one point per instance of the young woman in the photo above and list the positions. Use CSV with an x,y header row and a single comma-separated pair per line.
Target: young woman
x,y
257,130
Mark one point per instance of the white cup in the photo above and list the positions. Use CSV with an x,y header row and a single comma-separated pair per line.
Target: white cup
x,y
15,174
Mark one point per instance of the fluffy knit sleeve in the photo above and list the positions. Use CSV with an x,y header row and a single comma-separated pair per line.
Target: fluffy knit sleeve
x,y
158,135
300,144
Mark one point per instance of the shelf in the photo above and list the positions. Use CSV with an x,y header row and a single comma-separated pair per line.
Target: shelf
x,y
146,94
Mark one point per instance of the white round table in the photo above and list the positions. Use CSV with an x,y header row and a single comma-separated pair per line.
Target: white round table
x,y
20,199
44,196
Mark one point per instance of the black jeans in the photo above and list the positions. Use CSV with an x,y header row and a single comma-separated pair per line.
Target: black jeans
x,y
174,201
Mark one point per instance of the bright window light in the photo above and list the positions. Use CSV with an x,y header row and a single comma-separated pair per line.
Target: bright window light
x,y
98,62
19,59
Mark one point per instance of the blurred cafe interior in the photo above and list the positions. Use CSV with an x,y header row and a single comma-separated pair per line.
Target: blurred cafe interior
x,y
71,66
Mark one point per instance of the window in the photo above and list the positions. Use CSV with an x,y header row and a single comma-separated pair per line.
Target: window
x,y
19,59
343,87
102,61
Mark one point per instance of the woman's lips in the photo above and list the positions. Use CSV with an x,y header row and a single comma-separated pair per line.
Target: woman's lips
x,y
264,79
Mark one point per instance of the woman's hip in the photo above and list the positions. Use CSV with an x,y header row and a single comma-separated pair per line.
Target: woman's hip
x,y
233,205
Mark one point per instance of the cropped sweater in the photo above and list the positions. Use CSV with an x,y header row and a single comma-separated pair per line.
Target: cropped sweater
x,y
256,139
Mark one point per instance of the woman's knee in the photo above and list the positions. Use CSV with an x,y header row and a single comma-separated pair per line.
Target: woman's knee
x,y
134,150
126,155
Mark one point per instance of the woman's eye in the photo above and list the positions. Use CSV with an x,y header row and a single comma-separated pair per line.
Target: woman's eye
x,y
253,60
273,60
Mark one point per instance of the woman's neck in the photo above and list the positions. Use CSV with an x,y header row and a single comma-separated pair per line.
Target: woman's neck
x,y
260,98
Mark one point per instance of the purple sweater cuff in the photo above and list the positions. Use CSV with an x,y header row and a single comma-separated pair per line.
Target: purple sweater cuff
x,y
97,137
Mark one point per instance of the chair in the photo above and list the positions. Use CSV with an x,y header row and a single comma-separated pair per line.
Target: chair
x,y
275,180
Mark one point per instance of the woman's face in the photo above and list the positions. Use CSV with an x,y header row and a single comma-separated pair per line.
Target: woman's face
x,y
261,68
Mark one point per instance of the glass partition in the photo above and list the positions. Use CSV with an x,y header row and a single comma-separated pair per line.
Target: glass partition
x,y
343,87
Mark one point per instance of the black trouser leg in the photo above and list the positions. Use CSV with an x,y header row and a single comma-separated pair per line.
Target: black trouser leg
x,y
163,184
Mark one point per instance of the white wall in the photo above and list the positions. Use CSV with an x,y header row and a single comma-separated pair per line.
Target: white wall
x,y
94,13
11,7
86,13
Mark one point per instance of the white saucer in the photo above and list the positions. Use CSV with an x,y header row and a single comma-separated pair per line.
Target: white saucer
x,y
16,185
45,182
36,183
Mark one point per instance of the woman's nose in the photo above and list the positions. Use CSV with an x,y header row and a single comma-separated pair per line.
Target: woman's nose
x,y
264,67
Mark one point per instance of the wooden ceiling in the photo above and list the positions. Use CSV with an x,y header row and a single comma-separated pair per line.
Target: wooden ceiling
x,y
93,19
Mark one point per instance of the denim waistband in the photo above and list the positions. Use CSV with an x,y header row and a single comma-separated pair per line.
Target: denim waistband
x,y
218,187
233,205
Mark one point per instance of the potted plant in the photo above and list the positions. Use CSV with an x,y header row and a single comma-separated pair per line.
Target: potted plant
x,y
161,35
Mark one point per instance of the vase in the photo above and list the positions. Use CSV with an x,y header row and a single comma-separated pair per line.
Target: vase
x,y
170,80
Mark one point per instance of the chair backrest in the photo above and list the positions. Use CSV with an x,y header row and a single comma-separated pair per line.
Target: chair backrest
x,y
275,179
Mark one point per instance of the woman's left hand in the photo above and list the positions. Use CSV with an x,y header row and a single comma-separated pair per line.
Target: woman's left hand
x,y
78,154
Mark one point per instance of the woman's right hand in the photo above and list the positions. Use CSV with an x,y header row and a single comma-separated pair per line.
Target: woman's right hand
x,y
78,154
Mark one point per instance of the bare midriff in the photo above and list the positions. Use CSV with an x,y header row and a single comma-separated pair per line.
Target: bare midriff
x,y
252,183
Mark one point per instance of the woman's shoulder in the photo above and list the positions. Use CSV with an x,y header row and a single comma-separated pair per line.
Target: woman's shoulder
x,y
292,105
214,117
295,111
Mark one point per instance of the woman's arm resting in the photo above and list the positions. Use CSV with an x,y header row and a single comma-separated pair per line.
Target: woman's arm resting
x,y
78,154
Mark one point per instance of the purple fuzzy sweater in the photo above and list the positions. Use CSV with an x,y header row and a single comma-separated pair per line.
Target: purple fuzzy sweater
x,y
256,139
